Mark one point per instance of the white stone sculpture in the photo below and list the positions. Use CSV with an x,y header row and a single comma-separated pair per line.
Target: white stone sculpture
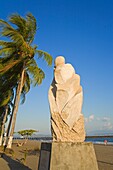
x,y
65,98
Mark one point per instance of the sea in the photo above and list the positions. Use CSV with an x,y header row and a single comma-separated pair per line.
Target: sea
x,y
100,139
93,139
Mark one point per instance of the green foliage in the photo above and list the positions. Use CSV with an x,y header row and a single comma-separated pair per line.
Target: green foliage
x,y
47,57
17,52
26,133
36,74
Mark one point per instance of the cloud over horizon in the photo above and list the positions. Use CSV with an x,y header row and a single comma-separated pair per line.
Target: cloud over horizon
x,y
98,123
89,119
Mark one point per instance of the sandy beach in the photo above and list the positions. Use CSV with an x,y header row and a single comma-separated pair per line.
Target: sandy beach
x,y
104,155
26,157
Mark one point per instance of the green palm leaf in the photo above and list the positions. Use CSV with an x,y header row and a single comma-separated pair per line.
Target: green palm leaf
x,y
19,22
32,26
36,74
8,31
47,57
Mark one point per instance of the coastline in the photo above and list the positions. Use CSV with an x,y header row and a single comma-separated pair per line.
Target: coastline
x,y
26,157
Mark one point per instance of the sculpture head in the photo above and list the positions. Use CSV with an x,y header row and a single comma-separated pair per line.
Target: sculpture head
x,y
59,60
63,72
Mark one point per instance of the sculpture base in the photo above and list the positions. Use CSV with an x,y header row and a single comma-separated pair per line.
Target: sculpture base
x,y
67,156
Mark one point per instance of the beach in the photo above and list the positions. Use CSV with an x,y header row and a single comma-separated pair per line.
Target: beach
x,y
104,155
26,157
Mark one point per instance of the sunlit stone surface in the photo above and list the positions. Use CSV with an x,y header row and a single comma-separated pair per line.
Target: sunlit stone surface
x,y
65,98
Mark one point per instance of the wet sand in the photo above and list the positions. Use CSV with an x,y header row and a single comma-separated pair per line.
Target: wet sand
x,y
26,157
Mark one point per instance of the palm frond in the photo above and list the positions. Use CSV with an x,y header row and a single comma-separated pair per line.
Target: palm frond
x,y
7,47
4,69
26,87
8,31
27,83
31,26
7,44
4,24
19,22
47,57
5,98
23,97
5,52
36,74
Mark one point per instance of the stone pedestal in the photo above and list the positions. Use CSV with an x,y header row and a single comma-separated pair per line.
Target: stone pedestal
x,y
67,156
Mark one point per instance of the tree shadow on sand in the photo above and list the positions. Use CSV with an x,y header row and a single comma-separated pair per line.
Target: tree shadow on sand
x,y
13,164
31,152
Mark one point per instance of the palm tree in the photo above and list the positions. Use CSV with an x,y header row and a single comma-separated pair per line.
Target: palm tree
x,y
3,121
6,97
18,55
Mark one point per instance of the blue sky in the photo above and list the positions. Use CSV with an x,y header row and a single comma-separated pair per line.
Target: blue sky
x,y
81,31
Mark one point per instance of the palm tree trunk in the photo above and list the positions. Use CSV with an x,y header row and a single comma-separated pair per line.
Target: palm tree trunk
x,y
3,124
15,108
7,132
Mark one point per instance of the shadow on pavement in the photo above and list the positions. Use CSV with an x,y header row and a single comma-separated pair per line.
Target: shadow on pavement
x,y
13,164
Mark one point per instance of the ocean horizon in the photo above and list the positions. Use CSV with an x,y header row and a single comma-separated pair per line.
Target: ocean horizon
x,y
93,139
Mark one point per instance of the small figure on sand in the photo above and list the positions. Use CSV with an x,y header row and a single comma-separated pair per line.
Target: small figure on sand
x,y
105,142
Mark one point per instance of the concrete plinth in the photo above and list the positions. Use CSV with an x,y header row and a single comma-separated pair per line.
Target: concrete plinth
x,y
67,156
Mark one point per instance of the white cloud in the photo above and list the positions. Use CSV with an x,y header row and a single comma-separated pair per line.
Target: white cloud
x,y
93,123
98,118
86,119
89,119
105,119
108,126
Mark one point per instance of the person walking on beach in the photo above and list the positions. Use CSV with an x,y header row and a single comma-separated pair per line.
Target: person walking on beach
x,y
105,142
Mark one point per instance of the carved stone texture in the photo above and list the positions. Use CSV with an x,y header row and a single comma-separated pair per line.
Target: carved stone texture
x,y
65,98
